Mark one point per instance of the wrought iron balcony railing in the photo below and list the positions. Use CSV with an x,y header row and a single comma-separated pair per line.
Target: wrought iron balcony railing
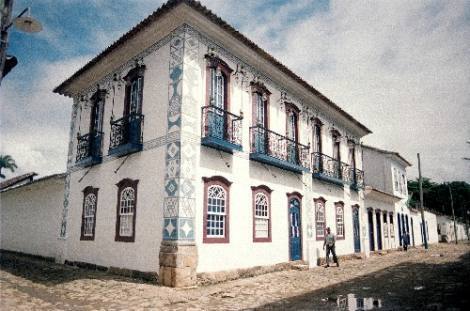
x,y
357,180
89,149
126,135
272,148
326,167
221,129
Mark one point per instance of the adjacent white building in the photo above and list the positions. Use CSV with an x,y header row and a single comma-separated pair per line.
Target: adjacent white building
x,y
388,216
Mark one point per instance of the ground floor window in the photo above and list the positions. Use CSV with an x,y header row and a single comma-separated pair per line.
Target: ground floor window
x,y
339,206
90,201
216,210
261,214
320,220
126,210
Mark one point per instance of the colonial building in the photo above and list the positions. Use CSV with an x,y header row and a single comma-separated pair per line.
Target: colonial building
x,y
193,150
389,217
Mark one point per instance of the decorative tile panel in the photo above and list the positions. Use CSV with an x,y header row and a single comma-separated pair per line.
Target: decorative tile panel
x,y
179,203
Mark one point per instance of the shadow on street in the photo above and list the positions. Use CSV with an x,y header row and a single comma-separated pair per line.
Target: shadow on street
x,y
406,286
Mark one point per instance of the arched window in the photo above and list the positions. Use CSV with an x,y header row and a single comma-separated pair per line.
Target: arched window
x,y
216,210
90,199
339,207
126,210
261,214
320,218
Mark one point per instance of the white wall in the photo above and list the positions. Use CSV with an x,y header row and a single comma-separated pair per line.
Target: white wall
x,y
446,226
147,166
30,217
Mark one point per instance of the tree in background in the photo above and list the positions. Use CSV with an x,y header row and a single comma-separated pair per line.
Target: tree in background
x,y
437,198
7,162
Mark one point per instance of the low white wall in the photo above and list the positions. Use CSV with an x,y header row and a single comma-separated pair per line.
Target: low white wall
x,y
30,217
447,232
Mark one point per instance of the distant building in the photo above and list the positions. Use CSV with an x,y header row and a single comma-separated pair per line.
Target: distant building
x,y
446,231
389,218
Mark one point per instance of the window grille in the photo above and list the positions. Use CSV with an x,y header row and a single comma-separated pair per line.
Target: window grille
x,y
320,219
89,209
216,212
261,216
340,220
126,212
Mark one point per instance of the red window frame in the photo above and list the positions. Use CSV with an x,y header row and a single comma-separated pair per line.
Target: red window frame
x,y
339,204
213,62
123,184
267,192
259,89
225,184
88,190
323,201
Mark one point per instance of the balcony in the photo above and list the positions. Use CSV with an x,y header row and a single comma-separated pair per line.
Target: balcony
x,y
357,179
331,170
277,150
89,149
126,135
221,129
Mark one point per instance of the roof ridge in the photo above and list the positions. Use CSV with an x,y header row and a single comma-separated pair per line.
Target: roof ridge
x,y
165,8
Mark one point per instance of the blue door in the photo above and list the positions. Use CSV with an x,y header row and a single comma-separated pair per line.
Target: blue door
x,y
379,231
371,230
356,230
295,238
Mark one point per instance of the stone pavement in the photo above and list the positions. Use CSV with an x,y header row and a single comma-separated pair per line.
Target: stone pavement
x,y
417,280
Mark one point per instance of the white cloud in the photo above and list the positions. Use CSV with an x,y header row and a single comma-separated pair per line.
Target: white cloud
x,y
35,121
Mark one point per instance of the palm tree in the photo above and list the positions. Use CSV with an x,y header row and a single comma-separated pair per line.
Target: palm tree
x,y
7,162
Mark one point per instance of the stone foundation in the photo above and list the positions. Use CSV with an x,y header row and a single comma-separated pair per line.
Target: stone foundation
x,y
177,264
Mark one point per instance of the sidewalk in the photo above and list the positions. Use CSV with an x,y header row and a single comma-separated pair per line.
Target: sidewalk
x,y
416,280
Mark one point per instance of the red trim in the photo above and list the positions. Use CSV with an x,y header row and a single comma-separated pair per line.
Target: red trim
x,y
298,196
292,108
215,62
315,201
339,237
266,191
126,182
225,184
133,74
259,88
86,192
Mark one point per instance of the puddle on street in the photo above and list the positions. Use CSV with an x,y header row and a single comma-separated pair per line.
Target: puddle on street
x,y
351,302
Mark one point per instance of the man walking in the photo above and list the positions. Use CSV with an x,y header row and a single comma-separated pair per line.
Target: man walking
x,y
330,247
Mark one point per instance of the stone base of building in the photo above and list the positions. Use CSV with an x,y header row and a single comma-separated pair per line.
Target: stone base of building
x,y
178,264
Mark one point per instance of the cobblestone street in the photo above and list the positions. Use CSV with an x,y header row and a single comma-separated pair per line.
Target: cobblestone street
x,y
417,280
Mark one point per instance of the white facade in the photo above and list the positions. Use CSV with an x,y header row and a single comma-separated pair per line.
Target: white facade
x,y
173,164
385,173
30,217
446,229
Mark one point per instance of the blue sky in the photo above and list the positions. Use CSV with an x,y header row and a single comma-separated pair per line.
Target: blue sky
x,y
402,68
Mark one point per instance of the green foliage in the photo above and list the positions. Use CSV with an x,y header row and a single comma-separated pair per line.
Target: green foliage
x,y
7,162
436,196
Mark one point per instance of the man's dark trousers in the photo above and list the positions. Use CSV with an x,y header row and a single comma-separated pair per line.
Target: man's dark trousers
x,y
332,250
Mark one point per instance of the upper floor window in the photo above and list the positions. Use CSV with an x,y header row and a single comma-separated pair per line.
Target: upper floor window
x,y
317,136
395,179
261,214
126,210
339,206
292,115
320,218
134,90
90,200
96,116
218,82
260,104
336,138
352,154
216,210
